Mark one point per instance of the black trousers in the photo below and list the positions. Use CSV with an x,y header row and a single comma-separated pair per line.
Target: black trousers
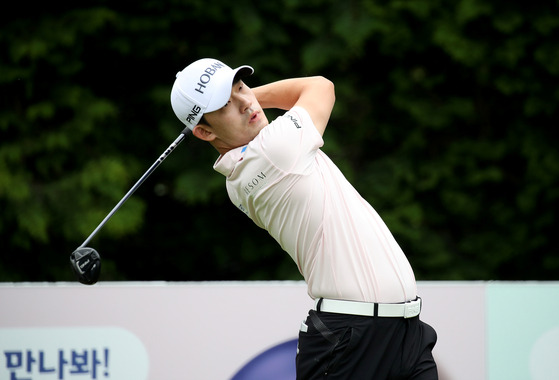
x,y
351,347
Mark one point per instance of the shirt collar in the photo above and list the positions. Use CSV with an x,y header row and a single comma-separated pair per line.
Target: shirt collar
x,y
226,162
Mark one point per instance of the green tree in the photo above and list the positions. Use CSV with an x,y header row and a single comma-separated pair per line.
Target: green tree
x,y
445,121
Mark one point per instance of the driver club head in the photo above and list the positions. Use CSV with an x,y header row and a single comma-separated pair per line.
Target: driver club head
x,y
86,264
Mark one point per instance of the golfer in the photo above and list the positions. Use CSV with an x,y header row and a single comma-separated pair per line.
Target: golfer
x,y
365,322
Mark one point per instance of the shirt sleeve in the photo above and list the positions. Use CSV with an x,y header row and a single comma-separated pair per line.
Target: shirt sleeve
x,y
291,141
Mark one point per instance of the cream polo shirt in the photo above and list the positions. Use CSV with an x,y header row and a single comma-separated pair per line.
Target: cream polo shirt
x,y
288,186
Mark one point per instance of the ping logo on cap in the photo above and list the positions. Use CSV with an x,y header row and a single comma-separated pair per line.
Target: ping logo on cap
x,y
191,118
206,77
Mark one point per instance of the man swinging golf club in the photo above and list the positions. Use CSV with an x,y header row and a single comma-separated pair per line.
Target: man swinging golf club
x,y
365,323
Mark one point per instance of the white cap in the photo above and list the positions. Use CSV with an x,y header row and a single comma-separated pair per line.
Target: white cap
x,y
203,86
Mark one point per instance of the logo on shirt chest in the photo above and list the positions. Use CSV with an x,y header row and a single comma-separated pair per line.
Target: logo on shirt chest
x,y
255,183
243,209
295,121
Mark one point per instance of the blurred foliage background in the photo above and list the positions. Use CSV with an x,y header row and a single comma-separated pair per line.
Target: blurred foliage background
x,y
446,121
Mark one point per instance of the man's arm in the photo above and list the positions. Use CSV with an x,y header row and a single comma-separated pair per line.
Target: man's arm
x,y
314,94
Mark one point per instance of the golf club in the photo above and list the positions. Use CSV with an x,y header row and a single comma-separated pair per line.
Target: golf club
x,y
86,261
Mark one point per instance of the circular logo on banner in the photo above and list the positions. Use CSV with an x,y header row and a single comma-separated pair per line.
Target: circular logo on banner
x,y
277,363
543,358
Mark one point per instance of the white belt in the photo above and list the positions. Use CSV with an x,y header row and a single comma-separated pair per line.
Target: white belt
x,y
408,309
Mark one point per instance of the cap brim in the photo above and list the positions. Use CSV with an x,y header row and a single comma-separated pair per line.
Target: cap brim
x,y
242,72
221,96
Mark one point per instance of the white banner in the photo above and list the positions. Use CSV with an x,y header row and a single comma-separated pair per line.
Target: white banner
x,y
248,330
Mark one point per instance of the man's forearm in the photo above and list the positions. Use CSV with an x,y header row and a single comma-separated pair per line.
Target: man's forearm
x,y
284,94
315,94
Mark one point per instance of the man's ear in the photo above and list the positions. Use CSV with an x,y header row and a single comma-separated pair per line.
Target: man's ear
x,y
203,132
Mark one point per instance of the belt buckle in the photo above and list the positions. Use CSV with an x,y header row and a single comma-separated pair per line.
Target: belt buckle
x,y
412,308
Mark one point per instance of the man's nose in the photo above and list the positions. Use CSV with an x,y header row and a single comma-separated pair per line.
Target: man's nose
x,y
244,103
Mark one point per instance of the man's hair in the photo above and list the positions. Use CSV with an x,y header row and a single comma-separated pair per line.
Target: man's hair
x,y
203,120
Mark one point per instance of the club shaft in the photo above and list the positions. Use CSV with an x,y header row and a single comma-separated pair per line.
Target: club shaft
x,y
161,158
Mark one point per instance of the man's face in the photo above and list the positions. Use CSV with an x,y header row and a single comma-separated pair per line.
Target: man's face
x,y
239,121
